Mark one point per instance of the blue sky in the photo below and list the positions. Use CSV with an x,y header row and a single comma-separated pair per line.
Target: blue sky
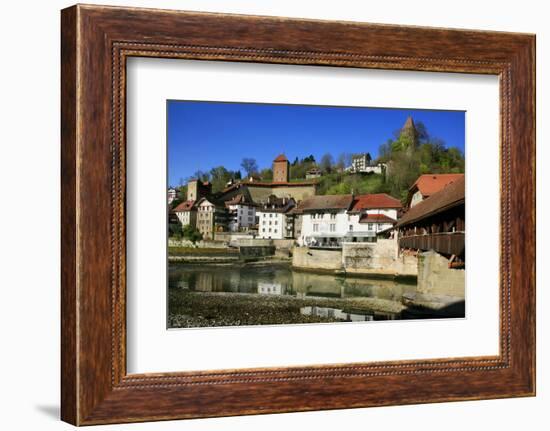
x,y
203,135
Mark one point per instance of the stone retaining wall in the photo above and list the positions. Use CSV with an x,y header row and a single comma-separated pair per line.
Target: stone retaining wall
x,y
379,257
306,258
436,278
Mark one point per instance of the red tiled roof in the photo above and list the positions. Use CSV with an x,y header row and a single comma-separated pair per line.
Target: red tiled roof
x,y
449,197
326,202
281,158
375,200
376,218
184,206
429,184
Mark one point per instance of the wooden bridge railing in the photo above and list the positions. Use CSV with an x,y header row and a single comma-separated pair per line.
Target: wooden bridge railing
x,y
447,243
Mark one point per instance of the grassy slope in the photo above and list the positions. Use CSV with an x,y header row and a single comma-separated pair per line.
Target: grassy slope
x,y
337,183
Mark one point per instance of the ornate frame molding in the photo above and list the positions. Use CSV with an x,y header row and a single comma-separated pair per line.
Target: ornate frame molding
x,y
96,41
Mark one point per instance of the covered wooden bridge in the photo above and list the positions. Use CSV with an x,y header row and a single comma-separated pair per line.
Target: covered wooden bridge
x,y
437,223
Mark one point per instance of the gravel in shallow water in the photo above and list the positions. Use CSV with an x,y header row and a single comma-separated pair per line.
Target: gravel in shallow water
x,y
189,309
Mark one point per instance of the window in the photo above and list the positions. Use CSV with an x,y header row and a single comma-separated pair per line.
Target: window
x,y
263,230
275,230
370,226
269,229
333,227
315,227
270,215
275,222
351,228
333,216
263,222
269,222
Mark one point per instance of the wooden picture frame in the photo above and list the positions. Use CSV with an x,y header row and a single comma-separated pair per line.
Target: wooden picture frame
x,y
95,43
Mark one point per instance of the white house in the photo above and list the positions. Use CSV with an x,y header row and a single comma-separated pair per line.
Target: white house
x,y
272,217
172,194
370,214
330,220
324,220
186,213
363,163
242,213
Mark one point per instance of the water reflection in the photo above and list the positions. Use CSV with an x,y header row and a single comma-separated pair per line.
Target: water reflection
x,y
281,280
334,313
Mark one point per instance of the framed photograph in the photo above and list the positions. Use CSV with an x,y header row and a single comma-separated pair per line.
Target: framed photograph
x,y
267,215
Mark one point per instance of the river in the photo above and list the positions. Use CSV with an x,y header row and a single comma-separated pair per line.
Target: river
x,y
236,295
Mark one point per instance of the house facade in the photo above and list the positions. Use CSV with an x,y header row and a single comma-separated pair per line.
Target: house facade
x,y
242,213
272,218
371,214
211,217
186,212
313,173
328,221
324,221
172,194
363,164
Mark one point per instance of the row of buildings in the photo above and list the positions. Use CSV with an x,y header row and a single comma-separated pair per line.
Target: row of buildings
x,y
432,217
286,210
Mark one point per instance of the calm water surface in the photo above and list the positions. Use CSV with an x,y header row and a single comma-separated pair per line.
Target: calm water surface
x,y
270,281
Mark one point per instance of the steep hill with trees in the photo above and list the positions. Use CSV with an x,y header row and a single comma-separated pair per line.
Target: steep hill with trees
x,y
414,152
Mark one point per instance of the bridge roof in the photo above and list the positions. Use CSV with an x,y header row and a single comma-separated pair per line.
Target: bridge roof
x,y
449,197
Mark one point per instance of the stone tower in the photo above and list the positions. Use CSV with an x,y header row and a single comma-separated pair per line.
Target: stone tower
x,y
409,131
196,189
281,171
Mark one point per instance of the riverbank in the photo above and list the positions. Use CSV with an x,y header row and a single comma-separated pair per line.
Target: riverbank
x,y
190,309
222,256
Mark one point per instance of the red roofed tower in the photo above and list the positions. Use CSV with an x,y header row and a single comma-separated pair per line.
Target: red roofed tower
x,y
281,169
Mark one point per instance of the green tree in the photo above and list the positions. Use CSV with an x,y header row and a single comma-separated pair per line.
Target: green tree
x,y
175,230
266,174
200,175
414,153
191,233
219,176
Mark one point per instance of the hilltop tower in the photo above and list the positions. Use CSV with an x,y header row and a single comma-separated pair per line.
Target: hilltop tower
x,y
281,169
409,130
196,189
